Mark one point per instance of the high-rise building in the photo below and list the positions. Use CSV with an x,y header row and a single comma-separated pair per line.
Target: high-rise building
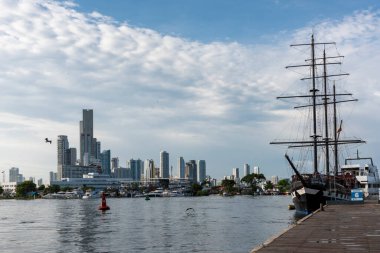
x,y
13,174
114,163
105,158
235,173
135,166
70,156
52,176
191,171
149,169
181,167
164,164
39,182
247,169
62,146
256,170
86,136
201,166
274,180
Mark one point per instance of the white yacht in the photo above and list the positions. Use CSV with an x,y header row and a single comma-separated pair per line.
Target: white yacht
x,y
365,172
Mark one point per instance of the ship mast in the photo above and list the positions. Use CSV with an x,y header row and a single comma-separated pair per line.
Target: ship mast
x,y
326,114
315,142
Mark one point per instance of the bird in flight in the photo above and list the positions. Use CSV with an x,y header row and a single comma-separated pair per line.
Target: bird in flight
x,y
47,140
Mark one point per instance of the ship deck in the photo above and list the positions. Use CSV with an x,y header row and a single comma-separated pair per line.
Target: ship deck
x,y
339,228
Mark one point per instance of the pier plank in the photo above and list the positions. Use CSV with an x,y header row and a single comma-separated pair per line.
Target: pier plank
x,y
339,228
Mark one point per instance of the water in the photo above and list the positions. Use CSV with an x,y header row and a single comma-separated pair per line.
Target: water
x,y
216,224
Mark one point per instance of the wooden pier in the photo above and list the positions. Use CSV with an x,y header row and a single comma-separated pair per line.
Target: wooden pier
x,y
339,228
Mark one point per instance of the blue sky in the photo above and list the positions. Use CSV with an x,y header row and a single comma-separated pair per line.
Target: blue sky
x,y
243,21
195,78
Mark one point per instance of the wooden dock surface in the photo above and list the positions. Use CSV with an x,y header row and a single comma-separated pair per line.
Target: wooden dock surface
x,y
339,228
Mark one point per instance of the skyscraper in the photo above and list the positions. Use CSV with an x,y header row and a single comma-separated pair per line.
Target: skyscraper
x,y
86,137
105,158
235,173
256,170
181,167
62,146
247,169
201,166
114,163
13,174
164,164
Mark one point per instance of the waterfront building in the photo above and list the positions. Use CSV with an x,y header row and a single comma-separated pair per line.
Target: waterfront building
x,y
62,146
201,166
114,163
121,173
105,158
164,164
39,182
181,167
10,187
149,169
32,179
274,180
70,156
256,170
75,171
247,169
86,136
93,180
13,174
191,171
235,173
52,177
135,167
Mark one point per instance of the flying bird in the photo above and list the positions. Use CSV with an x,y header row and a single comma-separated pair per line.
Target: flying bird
x,y
47,140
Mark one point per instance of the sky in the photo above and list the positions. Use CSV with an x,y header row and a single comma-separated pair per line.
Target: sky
x,y
198,79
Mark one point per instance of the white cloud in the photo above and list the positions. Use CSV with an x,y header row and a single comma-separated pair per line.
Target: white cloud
x,y
151,91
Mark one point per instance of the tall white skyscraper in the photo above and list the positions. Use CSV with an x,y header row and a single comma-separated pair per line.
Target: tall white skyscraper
x,y
201,166
164,164
181,167
86,129
247,169
256,170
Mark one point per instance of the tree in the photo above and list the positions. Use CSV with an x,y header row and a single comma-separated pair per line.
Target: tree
x,y
52,189
26,187
1,190
195,188
283,185
228,185
253,180
268,185
41,187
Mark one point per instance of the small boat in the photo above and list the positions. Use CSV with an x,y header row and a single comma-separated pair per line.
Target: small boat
x,y
147,198
291,207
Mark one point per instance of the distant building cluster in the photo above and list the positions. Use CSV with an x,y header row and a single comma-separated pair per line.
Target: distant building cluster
x,y
93,160
15,178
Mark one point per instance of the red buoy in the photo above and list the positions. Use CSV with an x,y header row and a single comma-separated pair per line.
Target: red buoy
x,y
104,206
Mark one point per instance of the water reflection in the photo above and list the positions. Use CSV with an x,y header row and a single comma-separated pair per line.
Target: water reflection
x,y
204,224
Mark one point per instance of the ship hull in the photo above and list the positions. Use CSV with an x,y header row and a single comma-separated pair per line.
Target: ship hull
x,y
308,199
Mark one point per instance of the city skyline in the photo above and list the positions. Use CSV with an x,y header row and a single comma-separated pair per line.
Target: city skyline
x,y
177,83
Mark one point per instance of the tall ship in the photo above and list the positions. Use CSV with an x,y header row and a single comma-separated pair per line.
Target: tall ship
x,y
317,175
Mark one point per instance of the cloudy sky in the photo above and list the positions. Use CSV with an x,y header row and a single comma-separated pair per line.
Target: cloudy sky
x,y
195,78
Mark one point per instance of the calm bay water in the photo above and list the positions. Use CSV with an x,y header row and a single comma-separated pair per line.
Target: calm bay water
x,y
218,224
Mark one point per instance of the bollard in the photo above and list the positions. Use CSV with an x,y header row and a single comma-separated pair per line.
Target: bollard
x,y
321,207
